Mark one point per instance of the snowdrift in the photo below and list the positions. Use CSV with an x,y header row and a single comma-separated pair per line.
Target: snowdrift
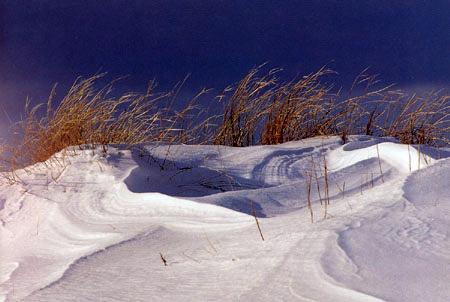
x,y
178,223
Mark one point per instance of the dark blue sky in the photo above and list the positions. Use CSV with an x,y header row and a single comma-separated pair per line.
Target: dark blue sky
x,y
42,42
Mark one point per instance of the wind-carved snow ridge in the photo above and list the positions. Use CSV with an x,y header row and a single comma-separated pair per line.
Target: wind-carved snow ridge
x,y
404,158
98,228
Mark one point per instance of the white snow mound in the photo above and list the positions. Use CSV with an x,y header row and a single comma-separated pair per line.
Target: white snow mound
x,y
178,223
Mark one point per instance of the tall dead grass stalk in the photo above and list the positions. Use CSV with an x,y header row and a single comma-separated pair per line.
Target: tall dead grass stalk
x,y
88,117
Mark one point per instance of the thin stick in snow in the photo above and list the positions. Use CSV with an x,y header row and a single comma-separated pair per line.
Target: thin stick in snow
x,y
210,243
256,219
409,156
37,225
418,157
343,190
361,186
371,178
309,197
327,192
317,180
163,259
379,164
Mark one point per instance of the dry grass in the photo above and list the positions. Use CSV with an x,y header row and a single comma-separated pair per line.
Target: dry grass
x,y
259,109
88,117
245,107
308,194
300,109
263,111
85,117
417,119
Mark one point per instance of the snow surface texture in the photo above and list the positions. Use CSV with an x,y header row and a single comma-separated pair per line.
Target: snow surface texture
x,y
98,227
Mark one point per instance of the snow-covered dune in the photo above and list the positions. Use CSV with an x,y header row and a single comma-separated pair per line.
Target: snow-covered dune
x,y
101,226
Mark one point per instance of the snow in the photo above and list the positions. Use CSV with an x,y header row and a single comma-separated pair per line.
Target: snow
x,y
96,226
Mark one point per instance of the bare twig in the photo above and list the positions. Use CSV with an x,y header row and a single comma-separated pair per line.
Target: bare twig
x,y
256,219
163,259
308,190
379,163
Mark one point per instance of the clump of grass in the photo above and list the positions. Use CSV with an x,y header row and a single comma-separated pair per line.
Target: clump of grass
x,y
358,108
300,109
261,110
86,116
414,119
244,108
91,117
